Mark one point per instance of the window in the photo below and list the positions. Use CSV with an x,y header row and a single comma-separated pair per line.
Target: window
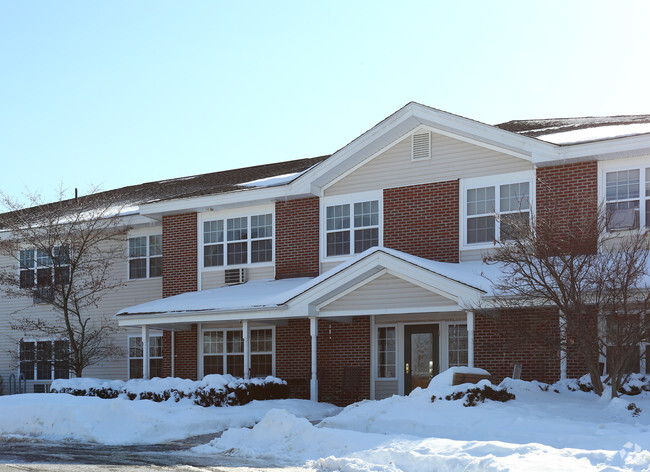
x,y
136,356
457,342
223,352
236,241
386,353
44,360
491,211
351,228
145,256
38,268
622,195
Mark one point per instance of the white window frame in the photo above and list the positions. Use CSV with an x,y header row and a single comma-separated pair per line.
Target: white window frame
x,y
35,341
349,199
640,164
447,339
147,258
492,181
128,351
225,216
397,352
224,354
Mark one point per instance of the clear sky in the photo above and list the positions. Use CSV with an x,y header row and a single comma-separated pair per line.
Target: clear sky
x,y
113,93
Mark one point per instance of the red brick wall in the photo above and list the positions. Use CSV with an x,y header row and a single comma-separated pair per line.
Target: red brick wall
x,y
423,220
185,347
296,238
180,276
179,234
348,345
499,344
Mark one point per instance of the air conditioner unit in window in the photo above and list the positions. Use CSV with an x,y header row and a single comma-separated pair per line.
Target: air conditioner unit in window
x,y
235,276
623,218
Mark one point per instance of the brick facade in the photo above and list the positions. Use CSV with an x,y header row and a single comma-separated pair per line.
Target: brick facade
x,y
179,235
340,345
423,220
179,276
296,238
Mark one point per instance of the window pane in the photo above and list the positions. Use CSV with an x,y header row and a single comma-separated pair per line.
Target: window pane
x,y
213,255
61,255
61,366
138,247
212,365
237,229
262,250
262,226
137,268
155,267
512,223
62,275
44,360
27,359
457,345
338,217
155,245
261,340
155,368
622,185
26,278
480,201
515,197
43,259
44,277
480,229
27,259
366,213
237,253
386,350
135,347
212,342
135,369
365,238
234,341
236,365
155,346
213,232
338,243
261,365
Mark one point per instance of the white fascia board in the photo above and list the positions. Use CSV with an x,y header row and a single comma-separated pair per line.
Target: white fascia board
x,y
201,316
615,148
392,311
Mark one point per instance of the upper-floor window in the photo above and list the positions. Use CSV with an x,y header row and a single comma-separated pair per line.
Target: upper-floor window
x,y
39,268
492,211
236,241
626,206
145,256
351,228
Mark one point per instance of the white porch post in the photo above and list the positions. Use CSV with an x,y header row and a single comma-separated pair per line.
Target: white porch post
x,y
173,359
563,345
470,339
313,331
247,349
145,352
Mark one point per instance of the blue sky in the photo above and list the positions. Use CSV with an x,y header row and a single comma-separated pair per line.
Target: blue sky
x,y
121,92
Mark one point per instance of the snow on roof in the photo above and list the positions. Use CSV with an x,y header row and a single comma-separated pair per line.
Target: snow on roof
x,y
264,293
270,294
594,134
272,181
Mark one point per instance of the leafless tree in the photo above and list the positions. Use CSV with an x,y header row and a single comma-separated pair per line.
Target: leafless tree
x,y
64,252
592,279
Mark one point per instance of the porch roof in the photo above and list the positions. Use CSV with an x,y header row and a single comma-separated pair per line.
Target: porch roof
x,y
270,296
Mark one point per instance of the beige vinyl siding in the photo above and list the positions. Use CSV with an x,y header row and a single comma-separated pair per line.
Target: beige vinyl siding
x,y
385,389
387,292
216,278
132,292
450,159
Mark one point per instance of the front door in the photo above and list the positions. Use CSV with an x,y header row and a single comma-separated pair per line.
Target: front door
x,y
420,355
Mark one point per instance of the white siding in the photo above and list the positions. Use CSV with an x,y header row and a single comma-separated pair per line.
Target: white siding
x,y
131,293
216,278
451,159
385,389
387,292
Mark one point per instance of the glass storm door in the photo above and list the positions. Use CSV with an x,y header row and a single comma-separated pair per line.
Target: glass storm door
x,y
420,355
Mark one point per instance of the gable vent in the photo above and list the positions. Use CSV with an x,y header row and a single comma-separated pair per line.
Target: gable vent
x,y
235,276
421,146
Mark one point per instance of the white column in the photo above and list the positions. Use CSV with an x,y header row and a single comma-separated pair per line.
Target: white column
x,y
470,339
145,352
563,345
247,348
313,331
173,360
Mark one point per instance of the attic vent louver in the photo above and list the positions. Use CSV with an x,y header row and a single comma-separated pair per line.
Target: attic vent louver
x,y
421,146
235,276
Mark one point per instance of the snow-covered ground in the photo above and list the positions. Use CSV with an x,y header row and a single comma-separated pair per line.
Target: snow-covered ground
x,y
540,430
